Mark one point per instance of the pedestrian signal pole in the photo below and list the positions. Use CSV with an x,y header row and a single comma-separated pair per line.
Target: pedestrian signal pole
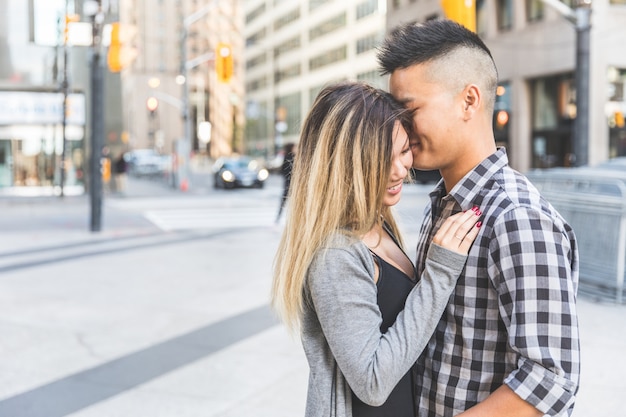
x,y
93,8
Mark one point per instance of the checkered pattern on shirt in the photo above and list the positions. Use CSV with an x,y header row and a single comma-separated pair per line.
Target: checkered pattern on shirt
x,y
512,317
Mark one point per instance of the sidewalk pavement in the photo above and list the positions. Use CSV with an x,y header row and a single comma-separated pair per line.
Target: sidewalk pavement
x,y
61,333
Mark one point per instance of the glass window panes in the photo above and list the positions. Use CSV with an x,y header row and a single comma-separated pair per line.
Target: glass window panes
x,y
366,8
505,14
368,43
328,26
255,13
328,57
256,61
285,19
372,77
290,106
288,45
286,73
314,4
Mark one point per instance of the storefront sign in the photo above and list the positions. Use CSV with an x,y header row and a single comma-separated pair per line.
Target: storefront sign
x,y
40,108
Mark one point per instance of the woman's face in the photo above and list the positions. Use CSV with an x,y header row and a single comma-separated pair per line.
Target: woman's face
x,y
401,162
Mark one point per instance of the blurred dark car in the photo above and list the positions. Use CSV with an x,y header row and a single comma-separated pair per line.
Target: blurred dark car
x,y
239,172
425,177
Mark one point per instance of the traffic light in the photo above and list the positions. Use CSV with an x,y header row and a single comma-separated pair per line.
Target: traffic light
x,y
224,62
69,18
461,11
152,104
114,56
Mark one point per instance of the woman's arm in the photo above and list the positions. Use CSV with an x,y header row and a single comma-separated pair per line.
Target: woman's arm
x,y
343,293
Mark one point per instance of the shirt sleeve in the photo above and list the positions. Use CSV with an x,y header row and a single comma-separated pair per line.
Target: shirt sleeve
x,y
533,266
343,293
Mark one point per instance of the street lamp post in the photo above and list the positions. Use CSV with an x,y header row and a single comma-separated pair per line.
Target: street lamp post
x,y
185,65
581,18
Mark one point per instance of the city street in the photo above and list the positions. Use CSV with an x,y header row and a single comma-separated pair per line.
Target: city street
x,y
164,313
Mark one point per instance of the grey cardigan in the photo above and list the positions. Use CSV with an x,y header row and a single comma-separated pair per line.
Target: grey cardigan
x,y
341,325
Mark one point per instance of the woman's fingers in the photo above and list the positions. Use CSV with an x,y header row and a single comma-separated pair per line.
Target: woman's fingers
x,y
458,231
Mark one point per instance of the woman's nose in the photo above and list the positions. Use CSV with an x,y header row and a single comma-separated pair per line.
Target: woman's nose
x,y
399,170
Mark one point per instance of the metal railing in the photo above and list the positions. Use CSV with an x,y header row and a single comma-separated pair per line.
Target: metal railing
x,y
594,203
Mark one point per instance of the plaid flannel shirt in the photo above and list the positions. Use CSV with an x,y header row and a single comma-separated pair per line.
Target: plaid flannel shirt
x,y
512,317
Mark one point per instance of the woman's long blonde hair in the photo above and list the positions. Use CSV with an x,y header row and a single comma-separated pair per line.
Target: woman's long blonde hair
x,y
339,177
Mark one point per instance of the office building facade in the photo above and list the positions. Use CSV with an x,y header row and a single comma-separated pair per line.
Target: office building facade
x,y
292,50
172,71
35,138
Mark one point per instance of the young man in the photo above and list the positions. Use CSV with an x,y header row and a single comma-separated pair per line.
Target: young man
x,y
507,344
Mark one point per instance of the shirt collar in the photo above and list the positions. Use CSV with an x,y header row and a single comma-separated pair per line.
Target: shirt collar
x,y
465,191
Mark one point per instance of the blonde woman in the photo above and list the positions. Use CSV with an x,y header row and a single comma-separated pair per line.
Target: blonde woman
x,y
342,279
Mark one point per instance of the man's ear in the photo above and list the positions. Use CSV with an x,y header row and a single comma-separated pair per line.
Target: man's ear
x,y
471,101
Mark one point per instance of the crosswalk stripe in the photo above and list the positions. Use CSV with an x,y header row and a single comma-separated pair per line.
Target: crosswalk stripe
x,y
186,219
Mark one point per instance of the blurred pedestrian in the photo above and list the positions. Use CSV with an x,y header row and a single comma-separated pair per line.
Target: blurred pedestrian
x,y
121,167
341,276
508,342
285,170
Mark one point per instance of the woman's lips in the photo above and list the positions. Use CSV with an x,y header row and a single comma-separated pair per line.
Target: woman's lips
x,y
395,189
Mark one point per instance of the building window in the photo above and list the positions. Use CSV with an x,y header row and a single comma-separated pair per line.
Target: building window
x,y
257,37
482,18
314,4
368,43
285,19
366,8
534,10
257,84
615,110
373,78
505,14
289,108
259,127
289,45
314,91
553,114
250,17
328,26
256,61
286,73
328,57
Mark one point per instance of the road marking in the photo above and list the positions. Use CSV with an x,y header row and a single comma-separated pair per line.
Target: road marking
x,y
78,391
212,218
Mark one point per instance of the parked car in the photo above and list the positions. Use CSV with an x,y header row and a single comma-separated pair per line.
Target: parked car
x,y
238,171
145,162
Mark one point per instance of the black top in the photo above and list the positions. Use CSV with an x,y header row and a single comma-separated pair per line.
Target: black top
x,y
394,287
